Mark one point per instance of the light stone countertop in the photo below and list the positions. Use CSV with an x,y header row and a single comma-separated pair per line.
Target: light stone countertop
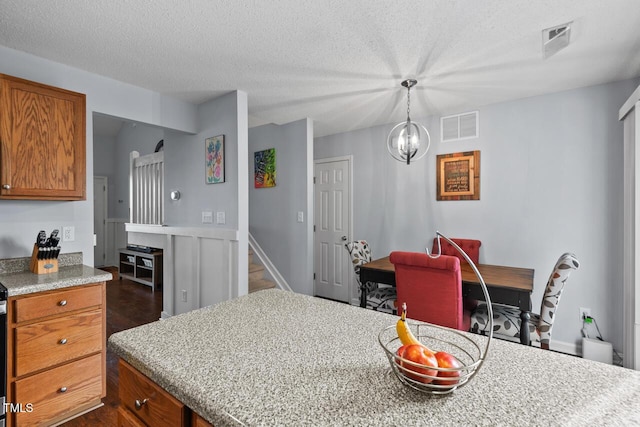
x,y
279,358
26,282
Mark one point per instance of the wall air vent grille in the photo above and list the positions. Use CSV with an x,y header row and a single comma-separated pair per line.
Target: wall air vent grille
x,y
459,126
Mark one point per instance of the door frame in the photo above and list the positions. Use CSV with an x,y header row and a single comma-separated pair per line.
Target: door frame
x,y
629,114
105,181
349,159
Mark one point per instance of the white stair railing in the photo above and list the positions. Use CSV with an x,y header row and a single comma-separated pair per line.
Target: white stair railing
x,y
146,187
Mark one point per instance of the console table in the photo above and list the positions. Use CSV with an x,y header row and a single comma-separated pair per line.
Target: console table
x,y
142,267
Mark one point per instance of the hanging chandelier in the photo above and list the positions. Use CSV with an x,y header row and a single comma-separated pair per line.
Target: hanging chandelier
x,y
408,141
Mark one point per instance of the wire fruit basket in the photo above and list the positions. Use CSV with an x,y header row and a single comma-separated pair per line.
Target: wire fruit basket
x,y
468,356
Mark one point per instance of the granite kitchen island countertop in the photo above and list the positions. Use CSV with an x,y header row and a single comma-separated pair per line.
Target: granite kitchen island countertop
x,y
26,282
279,358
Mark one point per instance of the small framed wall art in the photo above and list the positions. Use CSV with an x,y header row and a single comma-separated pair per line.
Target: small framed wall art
x,y
214,159
265,168
458,176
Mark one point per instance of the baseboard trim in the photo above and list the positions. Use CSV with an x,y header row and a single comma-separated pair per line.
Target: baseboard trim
x,y
566,348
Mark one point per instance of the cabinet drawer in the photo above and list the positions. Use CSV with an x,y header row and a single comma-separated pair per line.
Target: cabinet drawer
x,y
156,406
59,302
127,419
59,390
48,343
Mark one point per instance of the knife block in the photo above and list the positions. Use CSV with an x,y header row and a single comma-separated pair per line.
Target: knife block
x,y
42,266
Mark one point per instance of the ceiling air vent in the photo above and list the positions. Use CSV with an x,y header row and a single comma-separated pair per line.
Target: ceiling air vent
x,y
459,126
555,39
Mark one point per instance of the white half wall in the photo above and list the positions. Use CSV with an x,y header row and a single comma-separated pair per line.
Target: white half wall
x,y
200,265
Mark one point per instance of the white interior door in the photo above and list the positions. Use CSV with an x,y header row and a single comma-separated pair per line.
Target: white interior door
x,y
100,220
332,228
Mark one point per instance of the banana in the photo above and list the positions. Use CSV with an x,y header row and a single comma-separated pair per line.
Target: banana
x,y
403,330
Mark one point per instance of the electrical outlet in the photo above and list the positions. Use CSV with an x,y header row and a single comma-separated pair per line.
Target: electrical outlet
x,y
184,295
584,312
68,234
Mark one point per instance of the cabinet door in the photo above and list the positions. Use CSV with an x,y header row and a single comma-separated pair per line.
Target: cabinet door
x,y
42,142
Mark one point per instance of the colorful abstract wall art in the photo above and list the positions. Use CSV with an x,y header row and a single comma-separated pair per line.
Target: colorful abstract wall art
x,y
265,168
214,159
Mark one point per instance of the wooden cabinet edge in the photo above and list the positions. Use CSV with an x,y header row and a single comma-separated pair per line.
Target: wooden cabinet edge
x,y
191,418
198,421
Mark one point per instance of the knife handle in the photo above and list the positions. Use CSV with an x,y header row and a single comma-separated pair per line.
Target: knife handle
x,y
41,239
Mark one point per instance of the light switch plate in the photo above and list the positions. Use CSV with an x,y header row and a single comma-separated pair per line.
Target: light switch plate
x,y
300,216
220,218
207,217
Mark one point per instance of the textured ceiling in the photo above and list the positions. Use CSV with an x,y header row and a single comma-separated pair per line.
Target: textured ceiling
x,y
337,62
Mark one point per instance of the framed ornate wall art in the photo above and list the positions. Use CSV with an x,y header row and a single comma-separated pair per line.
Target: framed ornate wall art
x,y
458,176
214,159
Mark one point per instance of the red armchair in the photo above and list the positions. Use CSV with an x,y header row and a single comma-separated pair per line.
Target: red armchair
x,y
432,289
470,246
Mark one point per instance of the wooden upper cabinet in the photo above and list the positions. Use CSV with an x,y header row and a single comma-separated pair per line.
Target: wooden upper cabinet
x,y
42,141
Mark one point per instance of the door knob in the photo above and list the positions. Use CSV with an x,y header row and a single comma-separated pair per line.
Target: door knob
x,y
344,238
6,186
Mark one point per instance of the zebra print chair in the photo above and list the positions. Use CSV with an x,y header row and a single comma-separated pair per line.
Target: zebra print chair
x,y
379,298
506,320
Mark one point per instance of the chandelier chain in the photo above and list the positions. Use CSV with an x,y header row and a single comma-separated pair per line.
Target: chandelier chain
x,y
408,102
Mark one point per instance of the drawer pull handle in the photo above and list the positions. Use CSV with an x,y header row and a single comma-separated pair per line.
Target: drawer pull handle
x,y
62,389
6,187
63,341
140,404
62,303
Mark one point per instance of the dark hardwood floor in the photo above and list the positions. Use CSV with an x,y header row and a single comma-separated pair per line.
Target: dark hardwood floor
x,y
129,304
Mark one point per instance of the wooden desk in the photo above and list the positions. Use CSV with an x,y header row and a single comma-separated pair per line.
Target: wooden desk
x,y
506,285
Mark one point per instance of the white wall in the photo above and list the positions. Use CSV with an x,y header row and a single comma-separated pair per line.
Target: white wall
x,y
551,182
185,168
104,164
273,211
21,220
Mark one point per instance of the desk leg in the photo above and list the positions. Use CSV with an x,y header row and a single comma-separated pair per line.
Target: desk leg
x,y
524,327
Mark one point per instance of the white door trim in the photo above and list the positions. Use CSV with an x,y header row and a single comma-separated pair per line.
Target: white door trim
x,y
629,114
105,182
349,159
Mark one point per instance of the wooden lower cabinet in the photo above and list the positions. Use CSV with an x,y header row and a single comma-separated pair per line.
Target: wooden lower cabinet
x,y
57,389
56,348
144,403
